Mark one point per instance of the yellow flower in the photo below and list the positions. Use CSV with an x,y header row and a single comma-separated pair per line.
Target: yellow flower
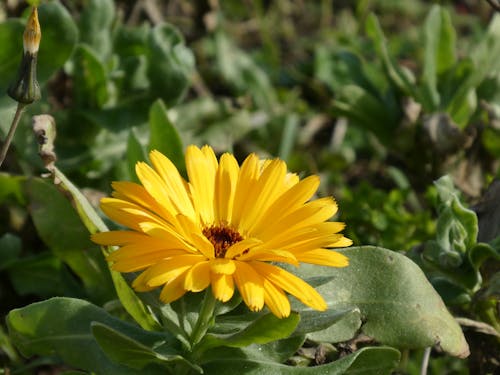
x,y
222,229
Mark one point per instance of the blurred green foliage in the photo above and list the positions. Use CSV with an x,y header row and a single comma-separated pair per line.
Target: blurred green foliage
x,y
380,98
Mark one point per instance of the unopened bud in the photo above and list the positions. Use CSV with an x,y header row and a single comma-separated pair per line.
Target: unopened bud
x,y
25,88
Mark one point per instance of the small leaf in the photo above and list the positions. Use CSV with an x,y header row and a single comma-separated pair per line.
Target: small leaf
x,y
127,351
397,76
10,249
265,329
170,64
164,136
95,22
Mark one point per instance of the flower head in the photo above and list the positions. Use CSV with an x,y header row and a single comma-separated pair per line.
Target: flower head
x,y
25,88
222,228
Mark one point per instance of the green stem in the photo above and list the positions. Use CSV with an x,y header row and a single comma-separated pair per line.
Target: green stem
x,y
204,319
12,130
425,361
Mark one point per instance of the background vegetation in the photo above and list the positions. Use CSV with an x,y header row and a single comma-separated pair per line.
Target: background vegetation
x,y
381,98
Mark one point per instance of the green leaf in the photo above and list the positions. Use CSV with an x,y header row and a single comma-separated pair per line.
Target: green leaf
x,y
61,229
368,361
41,275
59,37
62,326
135,153
396,74
94,223
329,326
164,136
11,40
398,305
127,351
95,23
12,187
171,64
264,329
366,110
439,36
10,249
90,80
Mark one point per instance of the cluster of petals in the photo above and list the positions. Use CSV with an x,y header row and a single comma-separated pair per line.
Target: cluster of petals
x,y
227,227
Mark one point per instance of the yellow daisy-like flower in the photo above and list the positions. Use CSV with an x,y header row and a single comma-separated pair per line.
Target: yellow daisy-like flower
x,y
222,229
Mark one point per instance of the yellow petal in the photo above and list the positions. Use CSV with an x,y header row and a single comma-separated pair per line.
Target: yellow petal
x,y
139,283
225,186
169,269
142,261
127,214
287,202
265,192
267,255
324,257
311,213
168,236
156,187
201,166
292,284
197,277
222,286
242,247
175,184
193,234
250,285
222,266
117,237
276,300
173,290
247,176
135,193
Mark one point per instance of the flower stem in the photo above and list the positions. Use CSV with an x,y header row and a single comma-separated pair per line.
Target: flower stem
x,y
205,318
12,130
425,361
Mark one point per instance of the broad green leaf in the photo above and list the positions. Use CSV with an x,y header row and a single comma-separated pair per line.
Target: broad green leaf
x,y
170,64
62,326
59,36
398,305
264,329
90,81
43,275
11,40
127,351
94,223
164,136
367,361
95,23
61,229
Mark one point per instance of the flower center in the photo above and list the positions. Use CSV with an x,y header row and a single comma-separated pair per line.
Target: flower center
x,y
222,238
